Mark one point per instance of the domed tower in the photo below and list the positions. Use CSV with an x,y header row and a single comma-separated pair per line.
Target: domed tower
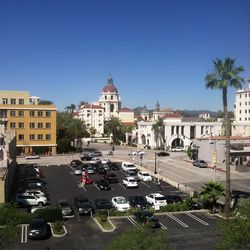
x,y
145,113
110,99
156,113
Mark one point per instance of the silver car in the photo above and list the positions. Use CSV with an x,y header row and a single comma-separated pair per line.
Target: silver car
x,y
200,164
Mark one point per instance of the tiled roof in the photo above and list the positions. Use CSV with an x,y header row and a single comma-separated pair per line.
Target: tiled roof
x,y
89,106
124,109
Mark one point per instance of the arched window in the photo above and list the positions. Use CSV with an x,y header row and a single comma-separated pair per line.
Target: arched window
x,y
105,97
112,107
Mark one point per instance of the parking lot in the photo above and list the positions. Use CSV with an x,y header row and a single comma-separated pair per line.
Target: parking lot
x,y
185,230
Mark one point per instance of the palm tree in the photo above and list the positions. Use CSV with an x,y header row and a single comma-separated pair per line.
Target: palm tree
x,y
158,131
113,126
225,74
211,192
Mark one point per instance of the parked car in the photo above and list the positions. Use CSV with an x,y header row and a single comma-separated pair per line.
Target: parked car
x,y
156,199
35,192
77,170
101,170
163,153
97,154
75,163
106,166
67,210
95,160
82,204
128,166
200,164
31,200
120,203
103,184
32,157
86,180
114,166
90,170
173,199
138,153
132,173
147,218
144,176
38,229
129,182
102,204
138,201
86,156
111,177
177,149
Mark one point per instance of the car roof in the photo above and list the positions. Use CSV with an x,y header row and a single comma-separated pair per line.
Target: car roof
x,y
130,178
157,195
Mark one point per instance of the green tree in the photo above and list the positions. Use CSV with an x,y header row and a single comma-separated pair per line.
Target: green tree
x,y
114,126
92,131
235,232
158,128
141,239
211,192
225,74
70,109
45,102
189,152
8,235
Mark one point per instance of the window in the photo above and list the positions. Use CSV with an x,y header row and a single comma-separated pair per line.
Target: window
x,y
21,137
12,101
5,100
12,125
40,113
48,125
32,137
40,125
240,111
32,113
48,113
245,95
111,97
105,97
240,103
32,125
20,125
21,113
245,111
240,96
245,119
21,101
240,119
40,137
12,113
245,103
48,137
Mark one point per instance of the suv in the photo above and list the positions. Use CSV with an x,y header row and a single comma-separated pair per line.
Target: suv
x,y
83,205
31,200
200,164
128,166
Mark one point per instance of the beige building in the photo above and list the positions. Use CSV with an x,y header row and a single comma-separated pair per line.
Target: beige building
x,y
34,124
126,115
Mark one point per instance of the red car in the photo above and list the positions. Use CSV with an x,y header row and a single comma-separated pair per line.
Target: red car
x,y
86,180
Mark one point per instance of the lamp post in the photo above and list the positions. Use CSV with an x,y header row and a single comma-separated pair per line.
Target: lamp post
x,y
155,172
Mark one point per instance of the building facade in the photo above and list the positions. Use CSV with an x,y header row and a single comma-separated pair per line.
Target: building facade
x,y
34,124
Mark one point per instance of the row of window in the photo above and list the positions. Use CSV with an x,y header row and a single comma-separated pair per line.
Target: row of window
x,y
39,125
246,95
32,137
32,113
245,111
246,119
12,101
245,103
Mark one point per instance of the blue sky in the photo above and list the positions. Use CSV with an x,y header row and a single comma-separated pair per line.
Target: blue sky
x,y
155,50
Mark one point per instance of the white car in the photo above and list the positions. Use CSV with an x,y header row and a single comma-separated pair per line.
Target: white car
x,y
120,203
32,157
31,200
144,176
130,182
177,149
128,166
156,199
77,170
139,152
35,192
106,161
95,160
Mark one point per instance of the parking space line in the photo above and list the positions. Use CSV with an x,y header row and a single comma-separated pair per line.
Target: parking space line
x,y
134,222
163,226
145,184
122,186
197,219
81,186
96,187
24,233
177,220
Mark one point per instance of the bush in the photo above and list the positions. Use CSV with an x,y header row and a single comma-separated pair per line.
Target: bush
x,y
49,214
102,215
58,227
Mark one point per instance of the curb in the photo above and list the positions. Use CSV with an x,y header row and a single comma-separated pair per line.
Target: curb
x,y
105,230
58,235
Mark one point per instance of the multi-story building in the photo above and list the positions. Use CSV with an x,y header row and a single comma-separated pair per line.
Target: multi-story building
x,y
93,115
34,124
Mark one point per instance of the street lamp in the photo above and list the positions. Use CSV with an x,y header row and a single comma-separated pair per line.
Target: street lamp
x,y
155,164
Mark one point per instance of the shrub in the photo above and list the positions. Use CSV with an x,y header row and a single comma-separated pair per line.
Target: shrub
x,y
58,227
49,214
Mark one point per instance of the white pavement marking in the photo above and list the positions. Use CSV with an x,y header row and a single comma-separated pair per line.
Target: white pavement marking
x,y
163,226
134,222
196,218
146,184
81,186
177,220
24,233
96,187
122,186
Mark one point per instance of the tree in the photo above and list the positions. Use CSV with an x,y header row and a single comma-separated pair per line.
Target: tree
x,y
71,108
114,126
211,192
8,236
235,232
92,131
45,102
158,128
225,74
141,239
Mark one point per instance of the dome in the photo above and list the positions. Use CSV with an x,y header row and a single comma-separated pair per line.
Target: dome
x,y
110,87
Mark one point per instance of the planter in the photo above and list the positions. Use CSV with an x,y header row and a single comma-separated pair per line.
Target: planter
x,y
58,234
106,226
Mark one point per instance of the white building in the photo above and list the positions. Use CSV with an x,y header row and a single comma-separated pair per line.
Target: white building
x,y
110,99
93,115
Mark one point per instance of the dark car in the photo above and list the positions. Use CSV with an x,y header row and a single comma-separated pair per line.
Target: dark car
x,y
90,169
138,201
75,163
103,184
101,170
114,166
162,153
67,210
38,229
103,204
83,205
147,218
173,199
96,153
111,177
86,156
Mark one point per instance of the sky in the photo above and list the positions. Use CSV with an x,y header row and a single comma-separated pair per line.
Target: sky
x,y
155,50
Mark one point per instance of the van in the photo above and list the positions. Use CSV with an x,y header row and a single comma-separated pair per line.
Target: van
x,y
128,166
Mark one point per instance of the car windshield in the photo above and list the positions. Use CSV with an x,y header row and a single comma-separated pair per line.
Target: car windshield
x,y
202,162
146,174
160,198
131,180
121,201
